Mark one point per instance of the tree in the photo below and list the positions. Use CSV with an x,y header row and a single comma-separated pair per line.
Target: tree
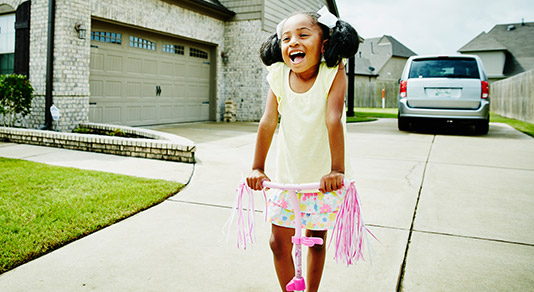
x,y
16,94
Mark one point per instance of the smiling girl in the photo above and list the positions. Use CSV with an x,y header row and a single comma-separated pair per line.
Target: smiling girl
x,y
307,89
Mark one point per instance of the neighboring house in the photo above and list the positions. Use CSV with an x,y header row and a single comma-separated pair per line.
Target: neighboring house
x,y
506,50
142,62
381,58
379,64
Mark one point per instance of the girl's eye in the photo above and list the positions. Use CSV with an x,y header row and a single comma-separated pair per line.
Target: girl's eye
x,y
285,40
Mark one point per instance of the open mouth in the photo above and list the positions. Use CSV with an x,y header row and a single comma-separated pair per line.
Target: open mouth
x,y
297,57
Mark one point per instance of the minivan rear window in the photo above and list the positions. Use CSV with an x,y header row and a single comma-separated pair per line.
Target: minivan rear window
x,y
444,68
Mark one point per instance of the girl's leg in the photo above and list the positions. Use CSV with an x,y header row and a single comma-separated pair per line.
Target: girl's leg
x,y
282,247
316,259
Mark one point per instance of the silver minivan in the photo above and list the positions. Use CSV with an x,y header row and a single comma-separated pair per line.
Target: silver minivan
x,y
451,88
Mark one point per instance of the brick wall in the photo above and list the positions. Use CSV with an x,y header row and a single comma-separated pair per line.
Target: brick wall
x,y
71,62
244,72
152,145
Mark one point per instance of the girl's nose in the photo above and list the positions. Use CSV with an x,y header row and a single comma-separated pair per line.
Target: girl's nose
x,y
293,42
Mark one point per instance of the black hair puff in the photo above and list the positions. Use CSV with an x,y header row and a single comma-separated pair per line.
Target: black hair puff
x,y
343,43
270,51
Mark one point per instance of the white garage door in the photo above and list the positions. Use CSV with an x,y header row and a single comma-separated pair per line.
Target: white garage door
x,y
141,78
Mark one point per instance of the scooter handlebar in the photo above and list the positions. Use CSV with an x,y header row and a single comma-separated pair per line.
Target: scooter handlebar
x,y
291,187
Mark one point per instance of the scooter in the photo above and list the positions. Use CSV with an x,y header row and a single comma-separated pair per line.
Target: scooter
x,y
348,234
297,283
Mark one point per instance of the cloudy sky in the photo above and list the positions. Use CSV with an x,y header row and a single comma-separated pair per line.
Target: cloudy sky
x,y
432,26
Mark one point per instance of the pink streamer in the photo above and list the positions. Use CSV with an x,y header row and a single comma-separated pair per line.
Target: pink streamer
x,y
349,229
245,222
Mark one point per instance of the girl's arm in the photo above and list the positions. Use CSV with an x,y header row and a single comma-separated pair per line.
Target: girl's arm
x,y
334,113
266,129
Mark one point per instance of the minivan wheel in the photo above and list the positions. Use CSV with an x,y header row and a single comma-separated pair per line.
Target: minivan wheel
x,y
403,124
482,127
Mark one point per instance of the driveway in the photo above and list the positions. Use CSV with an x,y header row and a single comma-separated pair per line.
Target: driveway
x,y
453,212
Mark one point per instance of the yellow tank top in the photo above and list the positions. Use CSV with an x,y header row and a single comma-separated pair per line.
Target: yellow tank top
x,y
303,147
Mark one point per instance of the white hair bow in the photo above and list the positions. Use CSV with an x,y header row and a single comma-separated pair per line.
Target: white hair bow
x,y
325,17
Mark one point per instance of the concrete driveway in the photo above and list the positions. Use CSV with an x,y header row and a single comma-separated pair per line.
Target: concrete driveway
x,y
453,212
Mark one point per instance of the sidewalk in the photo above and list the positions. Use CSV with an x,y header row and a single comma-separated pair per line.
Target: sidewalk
x,y
472,229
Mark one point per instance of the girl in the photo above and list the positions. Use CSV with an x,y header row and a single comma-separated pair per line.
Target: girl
x,y
307,88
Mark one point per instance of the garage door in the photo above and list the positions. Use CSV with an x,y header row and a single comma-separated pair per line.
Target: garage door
x,y
142,78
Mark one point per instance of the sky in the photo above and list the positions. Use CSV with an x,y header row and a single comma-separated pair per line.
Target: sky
x,y
431,26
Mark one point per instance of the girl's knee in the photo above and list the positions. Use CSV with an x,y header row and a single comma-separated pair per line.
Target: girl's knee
x,y
319,248
280,241
280,246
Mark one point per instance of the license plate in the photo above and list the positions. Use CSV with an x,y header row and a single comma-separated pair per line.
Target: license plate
x,y
443,92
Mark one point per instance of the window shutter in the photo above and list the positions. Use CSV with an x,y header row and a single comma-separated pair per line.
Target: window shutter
x,y
22,39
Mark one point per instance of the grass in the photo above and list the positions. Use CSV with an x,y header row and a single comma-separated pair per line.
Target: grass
x,y
371,114
44,207
521,126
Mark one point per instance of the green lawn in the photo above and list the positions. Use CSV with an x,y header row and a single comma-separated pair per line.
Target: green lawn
x,y
524,127
43,207
371,114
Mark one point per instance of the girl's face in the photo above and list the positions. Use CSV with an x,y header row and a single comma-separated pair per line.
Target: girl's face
x,y
302,43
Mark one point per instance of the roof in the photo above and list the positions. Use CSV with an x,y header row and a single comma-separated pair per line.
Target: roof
x,y
517,39
483,42
398,49
211,7
363,67
332,7
377,51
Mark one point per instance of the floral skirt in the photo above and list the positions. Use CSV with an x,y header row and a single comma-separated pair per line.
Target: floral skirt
x,y
318,210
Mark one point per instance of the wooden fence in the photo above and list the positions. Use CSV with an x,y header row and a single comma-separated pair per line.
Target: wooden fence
x,y
514,97
369,94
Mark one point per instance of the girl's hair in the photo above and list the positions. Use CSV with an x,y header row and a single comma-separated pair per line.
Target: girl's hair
x,y
342,42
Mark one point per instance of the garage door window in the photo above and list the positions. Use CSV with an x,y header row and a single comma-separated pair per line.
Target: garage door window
x,y
198,53
173,49
137,42
106,37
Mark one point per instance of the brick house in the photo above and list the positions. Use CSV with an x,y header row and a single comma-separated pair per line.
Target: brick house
x,y
142,62
379,64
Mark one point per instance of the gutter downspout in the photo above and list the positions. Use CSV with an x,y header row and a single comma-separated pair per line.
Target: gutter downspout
x,y
49,99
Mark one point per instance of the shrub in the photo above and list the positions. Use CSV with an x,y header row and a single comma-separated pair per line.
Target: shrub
x,y
16,94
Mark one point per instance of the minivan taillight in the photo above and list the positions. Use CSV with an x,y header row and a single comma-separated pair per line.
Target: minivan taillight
x,y
485,89
403,88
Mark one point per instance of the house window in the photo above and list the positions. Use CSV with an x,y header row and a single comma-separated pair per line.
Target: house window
x,y
137,42
7,43
106,37
173,49
198,53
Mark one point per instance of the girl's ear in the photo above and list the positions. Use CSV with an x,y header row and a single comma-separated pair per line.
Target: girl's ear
x,y
323,46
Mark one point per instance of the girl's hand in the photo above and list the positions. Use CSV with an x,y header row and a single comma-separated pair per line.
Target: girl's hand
x,y
332,181
256,178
